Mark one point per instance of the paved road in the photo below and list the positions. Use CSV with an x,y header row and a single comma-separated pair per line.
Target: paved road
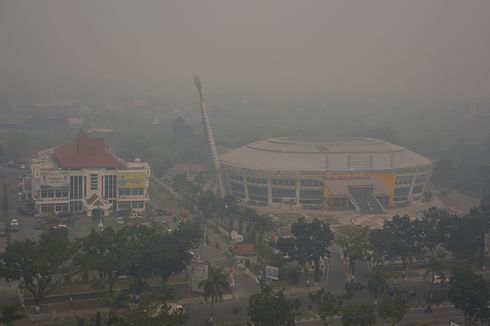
x,y
336,272
9,176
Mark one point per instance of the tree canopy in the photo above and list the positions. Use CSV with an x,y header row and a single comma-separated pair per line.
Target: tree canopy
x,y
393,309
38,265
359,315
470,293
309,243
269,308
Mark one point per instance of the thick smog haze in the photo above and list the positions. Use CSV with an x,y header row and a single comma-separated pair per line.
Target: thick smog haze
x,y
253,162
382,50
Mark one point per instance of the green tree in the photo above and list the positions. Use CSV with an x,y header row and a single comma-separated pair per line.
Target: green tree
x,y
327,304
141,254
104,252
432,235
463,236
8,314
377,283
38,266
354,241
404,239
214,286
393,309
269,308
470,293
309,243
359,315
380,241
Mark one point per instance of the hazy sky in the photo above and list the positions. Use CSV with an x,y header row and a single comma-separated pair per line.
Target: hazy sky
x,y
295,48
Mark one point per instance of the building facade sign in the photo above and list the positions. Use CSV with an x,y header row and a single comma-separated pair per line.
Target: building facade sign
x,y
272,272
128,180
54,179
199,273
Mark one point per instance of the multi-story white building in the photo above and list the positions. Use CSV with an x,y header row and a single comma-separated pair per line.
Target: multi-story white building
x,y
82,176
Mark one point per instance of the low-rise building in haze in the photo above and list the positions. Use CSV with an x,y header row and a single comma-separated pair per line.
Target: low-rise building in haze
x,y
83,176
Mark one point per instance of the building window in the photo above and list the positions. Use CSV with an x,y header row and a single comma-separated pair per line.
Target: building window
x,y
404,180
61,207
76,206
261,181
47,192
132,192
131,204
402,191
47,208
76,187
137,192
257,193
421,178
238,189
311,183
284,182
124,205
109,186
93,182
283,193
236,177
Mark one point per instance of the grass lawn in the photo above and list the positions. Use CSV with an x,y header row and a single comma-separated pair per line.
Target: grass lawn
x,y
123,283
306,314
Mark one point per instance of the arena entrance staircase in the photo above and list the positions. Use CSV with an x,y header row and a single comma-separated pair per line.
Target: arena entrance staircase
x,y
364,201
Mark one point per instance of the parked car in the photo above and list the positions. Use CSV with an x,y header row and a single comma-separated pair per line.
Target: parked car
x,y
439,279
14,225
120,220
60,226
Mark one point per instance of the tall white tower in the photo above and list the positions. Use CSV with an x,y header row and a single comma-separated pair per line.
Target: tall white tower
x,y
213,153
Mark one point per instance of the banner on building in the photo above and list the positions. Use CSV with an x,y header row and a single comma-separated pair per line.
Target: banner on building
x,y
128,180
54,179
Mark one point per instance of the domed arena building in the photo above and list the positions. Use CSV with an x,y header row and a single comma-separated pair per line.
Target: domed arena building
x,y
365,174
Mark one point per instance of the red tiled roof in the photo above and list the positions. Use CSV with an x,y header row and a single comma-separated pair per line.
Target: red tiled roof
x,y
244,249
85,152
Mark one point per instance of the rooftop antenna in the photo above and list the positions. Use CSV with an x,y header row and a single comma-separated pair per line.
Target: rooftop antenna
x,y
214,158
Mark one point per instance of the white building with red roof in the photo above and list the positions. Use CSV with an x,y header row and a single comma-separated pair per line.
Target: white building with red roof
x,y
83,176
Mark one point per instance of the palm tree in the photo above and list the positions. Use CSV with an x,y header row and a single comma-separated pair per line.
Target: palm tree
x,y
8,314
214,286
377,283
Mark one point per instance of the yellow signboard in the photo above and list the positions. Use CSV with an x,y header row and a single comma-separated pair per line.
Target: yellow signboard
x,y
129,180
386,179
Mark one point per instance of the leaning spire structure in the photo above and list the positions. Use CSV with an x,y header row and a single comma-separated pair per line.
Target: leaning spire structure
x,y
213,153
